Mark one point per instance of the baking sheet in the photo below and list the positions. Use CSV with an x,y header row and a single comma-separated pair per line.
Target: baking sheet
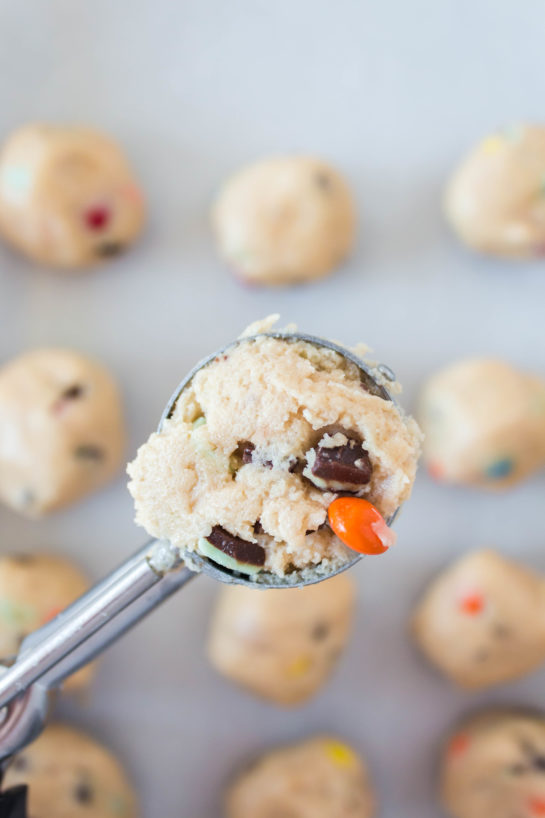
x,y
393,93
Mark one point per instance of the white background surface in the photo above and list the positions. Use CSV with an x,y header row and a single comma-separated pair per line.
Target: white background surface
x,y
392,92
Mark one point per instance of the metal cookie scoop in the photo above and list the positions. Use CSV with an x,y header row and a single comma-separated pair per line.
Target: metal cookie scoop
x,y
55,651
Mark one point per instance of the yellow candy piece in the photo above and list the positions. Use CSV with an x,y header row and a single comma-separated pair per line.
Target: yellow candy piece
x,y
340,754
299,667
492,144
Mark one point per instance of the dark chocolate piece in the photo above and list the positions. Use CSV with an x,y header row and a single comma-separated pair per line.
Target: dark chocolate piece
x,y
245,450
108,249
258,528
89,452
539,763
320,631
73,392
349,464
83,793
249,553
323,181
20,763
13,802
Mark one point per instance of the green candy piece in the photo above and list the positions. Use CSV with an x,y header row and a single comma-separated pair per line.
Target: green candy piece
x,y
221,558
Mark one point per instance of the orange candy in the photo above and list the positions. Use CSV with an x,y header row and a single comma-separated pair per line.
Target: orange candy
x,y
537,806
472,604
458,745
359,525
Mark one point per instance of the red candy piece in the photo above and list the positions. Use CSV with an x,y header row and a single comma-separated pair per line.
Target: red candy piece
x,y
436,470
458,745
359,525
97,218
536,806
472,604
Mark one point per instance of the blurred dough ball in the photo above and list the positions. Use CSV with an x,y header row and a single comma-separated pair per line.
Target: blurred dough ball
x,y
61,429
282,644
495,200
67,196
318,778
484,423
34,588
493,766
482,621
284,220
70,775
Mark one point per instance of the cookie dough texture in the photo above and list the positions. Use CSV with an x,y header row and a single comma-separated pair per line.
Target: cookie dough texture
x,y
284,220
495,200
482,621
68,198
61,429
484,423
278,401
70,775
282,645
493,766
34,588
318,778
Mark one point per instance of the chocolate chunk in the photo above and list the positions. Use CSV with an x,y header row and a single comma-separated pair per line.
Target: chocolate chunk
x,y
22,559
320,631
89,452
240,550
73,392
340,466
13,802
245,450
83,793
108,249
20,763
517,769
539,763
258,528
323,181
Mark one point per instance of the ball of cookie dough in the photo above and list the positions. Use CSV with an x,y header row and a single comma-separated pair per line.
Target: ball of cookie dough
x,y
484,423
34,588
259,444
70,775
482,621
318,778
282,645
284,220
495,200
493,766
68,198
61,429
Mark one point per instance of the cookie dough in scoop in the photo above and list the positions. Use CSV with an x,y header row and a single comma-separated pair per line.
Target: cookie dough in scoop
x,y
259,444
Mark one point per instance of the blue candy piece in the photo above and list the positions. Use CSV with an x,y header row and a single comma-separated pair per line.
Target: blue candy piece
x,y
500,468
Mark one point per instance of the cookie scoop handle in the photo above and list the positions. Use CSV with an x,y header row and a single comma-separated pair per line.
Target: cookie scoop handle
x,y
88,626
